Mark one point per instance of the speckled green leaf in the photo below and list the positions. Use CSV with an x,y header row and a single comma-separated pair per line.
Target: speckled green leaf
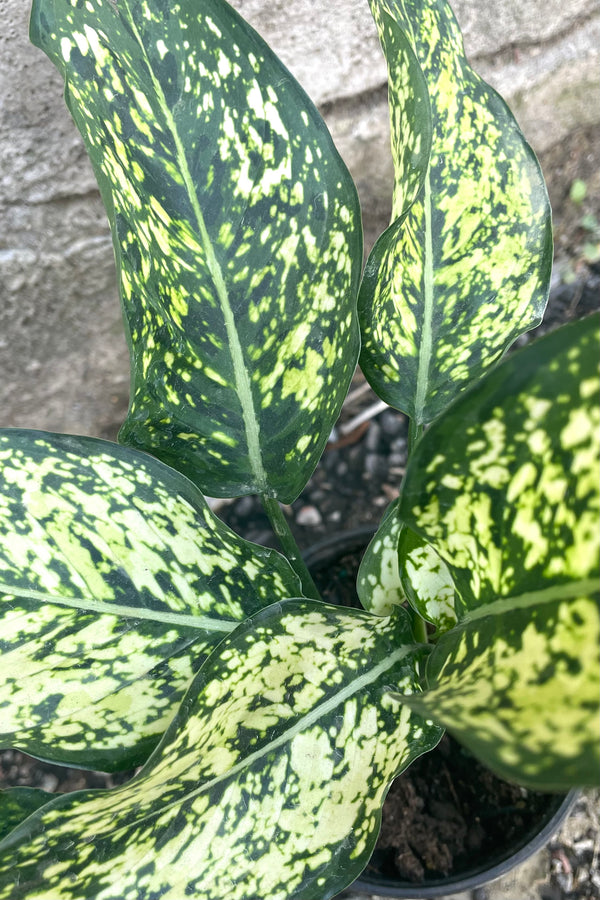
x,y
506,486
115,582
519,687
17,803
451,284
236,229
398,565
426,581
378,584
270,790
410,112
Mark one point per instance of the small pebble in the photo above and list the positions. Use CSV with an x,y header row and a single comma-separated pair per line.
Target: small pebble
x,y
49,782
308,516
390,491
564,880
397,471
396,459
584,845
375,465
480,893
398,445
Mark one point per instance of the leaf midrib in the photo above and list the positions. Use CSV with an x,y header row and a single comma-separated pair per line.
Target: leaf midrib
x,y
119,610
242,381
302,724
567,591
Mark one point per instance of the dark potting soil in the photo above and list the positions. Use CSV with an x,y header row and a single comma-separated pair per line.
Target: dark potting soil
x,y
448,814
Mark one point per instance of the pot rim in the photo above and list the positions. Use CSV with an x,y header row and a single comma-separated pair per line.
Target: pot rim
x,y
478,875
351,541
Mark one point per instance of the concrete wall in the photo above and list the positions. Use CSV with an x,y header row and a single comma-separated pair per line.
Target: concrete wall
x,y
63,362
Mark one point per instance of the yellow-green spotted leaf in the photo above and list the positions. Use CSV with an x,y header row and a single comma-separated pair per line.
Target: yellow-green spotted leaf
x,y
465,270
426,581
399,566
269,782
506,486
378,584
116,581
236,229
519,687
410,112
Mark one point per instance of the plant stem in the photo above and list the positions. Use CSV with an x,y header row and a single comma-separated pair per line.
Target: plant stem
x,y
419,625
289,546
414,435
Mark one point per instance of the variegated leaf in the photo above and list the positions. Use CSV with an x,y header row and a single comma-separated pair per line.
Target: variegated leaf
x,y
116,580
378,584
272,789
236,229
519,685
451,284
17,803
410,112
399,566
426,581
506,486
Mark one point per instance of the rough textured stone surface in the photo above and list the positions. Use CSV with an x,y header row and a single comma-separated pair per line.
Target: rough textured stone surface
x,y
62,355
351,63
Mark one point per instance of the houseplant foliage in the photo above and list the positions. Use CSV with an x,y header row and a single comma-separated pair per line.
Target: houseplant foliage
x,y
137,629
97,535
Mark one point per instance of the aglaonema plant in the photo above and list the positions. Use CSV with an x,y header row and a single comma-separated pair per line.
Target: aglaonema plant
x,y
137,630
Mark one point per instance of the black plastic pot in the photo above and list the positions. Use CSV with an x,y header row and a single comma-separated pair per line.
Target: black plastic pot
x,y
333,553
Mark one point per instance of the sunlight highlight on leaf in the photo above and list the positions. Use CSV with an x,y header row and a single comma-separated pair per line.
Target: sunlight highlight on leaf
x,y
284,798
506,486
